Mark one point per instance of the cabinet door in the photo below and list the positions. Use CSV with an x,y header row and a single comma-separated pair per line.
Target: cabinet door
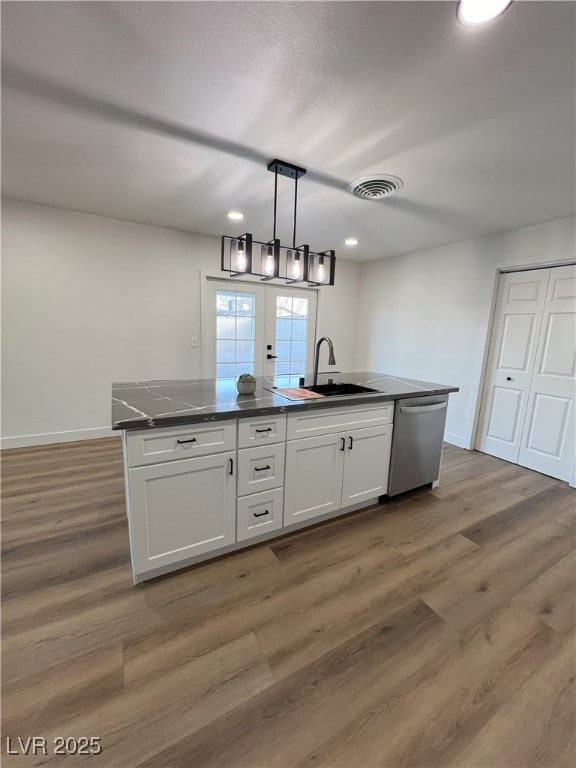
x,y
313,483
366,464
181,509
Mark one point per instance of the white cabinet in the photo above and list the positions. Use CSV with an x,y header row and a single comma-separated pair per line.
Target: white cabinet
x,y
181,509
313,483
260,476
366,463
335,471
197,491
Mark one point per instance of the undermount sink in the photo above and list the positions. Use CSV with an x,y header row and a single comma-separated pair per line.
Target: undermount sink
x,y
330,390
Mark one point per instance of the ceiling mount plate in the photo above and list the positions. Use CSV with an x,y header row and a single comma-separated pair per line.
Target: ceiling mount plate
x,y
286,169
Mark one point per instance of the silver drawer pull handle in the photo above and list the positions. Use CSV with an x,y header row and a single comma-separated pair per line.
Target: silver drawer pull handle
x,y
262,469
261,514
268,429
181,442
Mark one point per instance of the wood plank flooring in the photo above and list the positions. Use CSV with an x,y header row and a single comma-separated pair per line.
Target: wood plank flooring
x,y
437,629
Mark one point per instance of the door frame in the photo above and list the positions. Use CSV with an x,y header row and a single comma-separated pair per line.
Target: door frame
x,y
248,280
480,398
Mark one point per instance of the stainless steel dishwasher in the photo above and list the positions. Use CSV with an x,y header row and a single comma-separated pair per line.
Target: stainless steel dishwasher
x,y
417,442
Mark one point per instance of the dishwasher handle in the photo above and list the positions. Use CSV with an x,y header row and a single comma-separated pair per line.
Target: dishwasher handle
x,y
422,408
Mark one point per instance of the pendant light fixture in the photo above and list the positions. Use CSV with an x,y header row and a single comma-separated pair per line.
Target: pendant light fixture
x,y
293,264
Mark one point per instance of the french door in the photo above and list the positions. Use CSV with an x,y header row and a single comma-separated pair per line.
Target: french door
x,y
265,330
528,413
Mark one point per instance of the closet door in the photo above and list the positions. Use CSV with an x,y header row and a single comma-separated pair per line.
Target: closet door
x,y
516,329
548,436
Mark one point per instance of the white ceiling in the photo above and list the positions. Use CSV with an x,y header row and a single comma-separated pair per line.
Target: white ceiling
x,y
167,113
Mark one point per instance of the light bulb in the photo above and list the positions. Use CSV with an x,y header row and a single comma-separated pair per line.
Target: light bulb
x,y
269,262
296,268
480,11
240,260
320,270
235,215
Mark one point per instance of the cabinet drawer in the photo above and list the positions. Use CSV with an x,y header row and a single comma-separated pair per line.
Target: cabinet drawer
x,y
259,513
261,468
265,429
185,442
325,421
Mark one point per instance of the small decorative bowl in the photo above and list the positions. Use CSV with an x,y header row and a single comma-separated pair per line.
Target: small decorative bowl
x,y
246,387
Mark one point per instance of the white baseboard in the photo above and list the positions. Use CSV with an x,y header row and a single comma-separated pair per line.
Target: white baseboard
x,y
457,440
24,441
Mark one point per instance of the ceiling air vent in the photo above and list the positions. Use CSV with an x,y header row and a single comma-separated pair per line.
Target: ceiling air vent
x,y
376,186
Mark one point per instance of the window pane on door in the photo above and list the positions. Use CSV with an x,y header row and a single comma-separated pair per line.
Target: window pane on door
x,y
291,332
235,311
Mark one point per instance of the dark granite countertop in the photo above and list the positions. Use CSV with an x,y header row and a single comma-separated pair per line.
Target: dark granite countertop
x,y
151,404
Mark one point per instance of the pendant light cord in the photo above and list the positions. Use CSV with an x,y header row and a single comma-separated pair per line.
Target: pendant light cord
x,y
295,204
275,201
276,206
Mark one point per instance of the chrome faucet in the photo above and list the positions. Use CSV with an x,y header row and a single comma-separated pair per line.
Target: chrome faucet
x,y
331,358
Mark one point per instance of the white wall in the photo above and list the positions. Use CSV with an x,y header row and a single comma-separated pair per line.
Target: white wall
x,y
89,300
427,315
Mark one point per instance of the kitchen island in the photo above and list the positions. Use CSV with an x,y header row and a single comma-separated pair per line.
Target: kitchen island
x,y
208,471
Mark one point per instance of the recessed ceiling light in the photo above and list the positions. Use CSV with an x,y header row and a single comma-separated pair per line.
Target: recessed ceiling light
x,y
480,11
235,215
351,242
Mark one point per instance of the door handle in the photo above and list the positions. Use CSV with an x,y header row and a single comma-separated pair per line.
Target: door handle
x,y
271,357
181,442
268,429
508,378
231,467
351,442
342,443
261,514
262,469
